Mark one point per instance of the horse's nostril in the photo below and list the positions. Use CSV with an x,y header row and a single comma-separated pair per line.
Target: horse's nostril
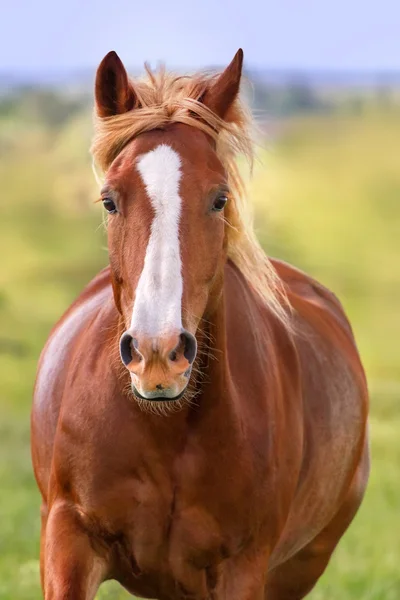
x,y
190,346
126,347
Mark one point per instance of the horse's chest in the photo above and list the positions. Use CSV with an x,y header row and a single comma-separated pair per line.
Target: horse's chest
x,y
170,541
177,525
175,514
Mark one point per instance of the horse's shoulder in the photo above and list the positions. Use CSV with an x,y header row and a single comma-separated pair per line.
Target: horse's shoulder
x,y
92,297
54,360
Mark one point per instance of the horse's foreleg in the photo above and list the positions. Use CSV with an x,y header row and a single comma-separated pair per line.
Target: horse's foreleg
x,y
72,570
243,577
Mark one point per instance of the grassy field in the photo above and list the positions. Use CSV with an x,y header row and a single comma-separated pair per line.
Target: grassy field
x,y
327,199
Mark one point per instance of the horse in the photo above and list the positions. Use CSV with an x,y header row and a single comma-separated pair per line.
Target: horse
x,y
199,424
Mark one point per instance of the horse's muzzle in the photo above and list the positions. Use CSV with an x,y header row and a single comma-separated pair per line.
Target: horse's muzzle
x,y
160,367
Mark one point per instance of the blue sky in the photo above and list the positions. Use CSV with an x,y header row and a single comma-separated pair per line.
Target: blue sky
x,y
55,35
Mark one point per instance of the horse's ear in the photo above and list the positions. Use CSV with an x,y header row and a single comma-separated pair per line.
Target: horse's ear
x,y
114,94
220,96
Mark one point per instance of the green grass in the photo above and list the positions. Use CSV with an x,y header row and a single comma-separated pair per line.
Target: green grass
x,y
327,200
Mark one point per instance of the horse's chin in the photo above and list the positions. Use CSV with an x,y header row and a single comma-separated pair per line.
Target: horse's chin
x,y
157,396
162,405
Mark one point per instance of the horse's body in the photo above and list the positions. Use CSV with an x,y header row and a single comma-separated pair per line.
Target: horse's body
x,y
242,495
168,503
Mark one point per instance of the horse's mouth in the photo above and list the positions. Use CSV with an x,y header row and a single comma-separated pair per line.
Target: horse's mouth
x,y
159,398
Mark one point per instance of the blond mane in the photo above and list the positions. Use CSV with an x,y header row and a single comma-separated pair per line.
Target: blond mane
x,y
165,98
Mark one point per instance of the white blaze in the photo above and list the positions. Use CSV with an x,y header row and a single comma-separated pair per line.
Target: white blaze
x,y
158,300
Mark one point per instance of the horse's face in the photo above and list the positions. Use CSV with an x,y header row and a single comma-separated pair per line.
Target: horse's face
x,y
165,194
166,245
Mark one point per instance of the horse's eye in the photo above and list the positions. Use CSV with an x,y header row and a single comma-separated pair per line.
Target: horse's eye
x,y
219,203
109,205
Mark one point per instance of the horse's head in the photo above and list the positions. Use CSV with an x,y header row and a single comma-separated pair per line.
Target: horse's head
x,y
166,192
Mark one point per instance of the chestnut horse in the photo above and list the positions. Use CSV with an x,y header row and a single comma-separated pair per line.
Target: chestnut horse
x,y
199,427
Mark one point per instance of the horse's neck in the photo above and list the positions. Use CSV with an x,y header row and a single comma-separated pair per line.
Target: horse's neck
x,y
213,359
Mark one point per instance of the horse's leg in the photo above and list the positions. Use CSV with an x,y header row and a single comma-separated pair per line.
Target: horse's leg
x,y
72,569
242,577
43,516
294,579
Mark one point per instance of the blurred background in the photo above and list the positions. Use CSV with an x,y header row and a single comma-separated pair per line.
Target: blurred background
x,y
324,83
